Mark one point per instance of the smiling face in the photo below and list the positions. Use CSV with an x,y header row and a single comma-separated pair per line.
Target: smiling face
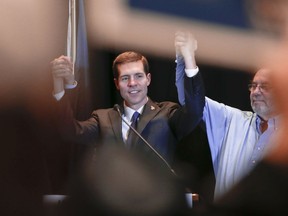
x,y
261,97
133,82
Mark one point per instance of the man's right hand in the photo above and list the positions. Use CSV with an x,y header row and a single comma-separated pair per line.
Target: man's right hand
x,y
62,72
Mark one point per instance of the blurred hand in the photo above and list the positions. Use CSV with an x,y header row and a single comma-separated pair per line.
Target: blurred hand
x,y
185,44
62,68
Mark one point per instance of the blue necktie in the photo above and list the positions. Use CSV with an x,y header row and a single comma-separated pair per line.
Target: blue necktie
x,y
131,135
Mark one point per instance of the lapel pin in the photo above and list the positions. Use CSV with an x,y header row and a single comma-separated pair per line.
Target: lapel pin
x,y
152,108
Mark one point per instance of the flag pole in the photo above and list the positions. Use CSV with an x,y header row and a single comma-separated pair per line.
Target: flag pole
x,y
71,33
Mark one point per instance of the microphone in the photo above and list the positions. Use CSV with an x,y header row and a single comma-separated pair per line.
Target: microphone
x,y
117,108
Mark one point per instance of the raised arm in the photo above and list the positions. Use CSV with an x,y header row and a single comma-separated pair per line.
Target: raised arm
x,y
185,46
189,83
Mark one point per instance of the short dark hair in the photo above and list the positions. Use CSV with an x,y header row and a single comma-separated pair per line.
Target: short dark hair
x,y
127,57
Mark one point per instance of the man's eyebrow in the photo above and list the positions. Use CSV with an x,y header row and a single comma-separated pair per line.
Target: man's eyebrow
x,y
260,83
124,75
136,73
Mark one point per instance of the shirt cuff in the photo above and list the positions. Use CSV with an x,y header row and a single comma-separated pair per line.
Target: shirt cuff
x,y
71,86
59,95
191,72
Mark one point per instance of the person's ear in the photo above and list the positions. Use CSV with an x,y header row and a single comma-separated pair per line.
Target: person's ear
x,y
148,78
116,83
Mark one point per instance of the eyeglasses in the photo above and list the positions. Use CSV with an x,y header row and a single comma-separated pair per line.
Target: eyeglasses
x,y
262,87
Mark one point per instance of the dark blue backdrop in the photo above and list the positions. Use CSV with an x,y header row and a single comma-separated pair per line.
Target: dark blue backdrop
x,y
225,12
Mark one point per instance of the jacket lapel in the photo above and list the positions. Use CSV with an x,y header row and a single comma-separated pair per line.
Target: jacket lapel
x,y
149,112
116,123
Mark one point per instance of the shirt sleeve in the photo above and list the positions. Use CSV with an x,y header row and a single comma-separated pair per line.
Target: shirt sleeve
x,y
59,95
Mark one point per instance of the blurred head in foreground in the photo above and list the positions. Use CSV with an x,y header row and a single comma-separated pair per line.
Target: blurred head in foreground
x,y
119,182
280,79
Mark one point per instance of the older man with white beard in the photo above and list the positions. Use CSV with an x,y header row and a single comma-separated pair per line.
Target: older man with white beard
x,y
238,139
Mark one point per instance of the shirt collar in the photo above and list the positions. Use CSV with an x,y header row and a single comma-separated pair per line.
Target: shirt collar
x,y
129,112
272,122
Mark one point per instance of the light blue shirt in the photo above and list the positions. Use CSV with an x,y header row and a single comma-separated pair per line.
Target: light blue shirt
x,y
234,137
235,141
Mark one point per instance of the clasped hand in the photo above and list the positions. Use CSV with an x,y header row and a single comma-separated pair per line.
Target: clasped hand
x,y
62,68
